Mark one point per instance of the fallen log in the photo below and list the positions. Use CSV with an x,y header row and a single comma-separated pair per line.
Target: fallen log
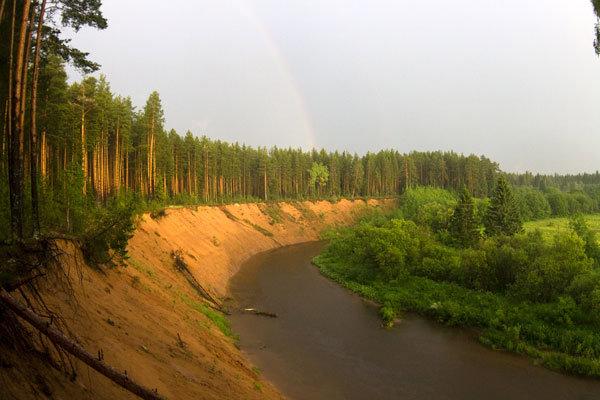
x,y
182,267
76,350
258,312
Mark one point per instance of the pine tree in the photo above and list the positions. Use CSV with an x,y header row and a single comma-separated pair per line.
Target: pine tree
x,y
463,224
502,217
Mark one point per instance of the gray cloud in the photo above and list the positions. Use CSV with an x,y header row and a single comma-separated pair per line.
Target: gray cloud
x,y
516,80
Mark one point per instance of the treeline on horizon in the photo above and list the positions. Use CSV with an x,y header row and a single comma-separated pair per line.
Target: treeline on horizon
x,y
84,126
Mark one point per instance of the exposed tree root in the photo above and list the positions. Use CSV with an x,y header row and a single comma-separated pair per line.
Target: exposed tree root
x,y
59,339
21,264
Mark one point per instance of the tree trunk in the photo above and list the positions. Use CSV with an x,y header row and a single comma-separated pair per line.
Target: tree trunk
x,y
153,164
126,169
2,10
195,175
76,350
175,178
116,172
84,160
17,134
189,174
205,175
265,182
151,156
33,156
43,155
4,139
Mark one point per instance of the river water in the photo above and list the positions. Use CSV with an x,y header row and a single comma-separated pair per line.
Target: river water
x,y
327,343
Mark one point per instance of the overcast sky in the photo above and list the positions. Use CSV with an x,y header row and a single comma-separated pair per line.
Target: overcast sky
x,y
515,80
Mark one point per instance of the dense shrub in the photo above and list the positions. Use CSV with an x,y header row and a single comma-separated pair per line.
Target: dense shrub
x,y
570,203
549,275
428,206
580,227
558,202
528,294
110,229
532,203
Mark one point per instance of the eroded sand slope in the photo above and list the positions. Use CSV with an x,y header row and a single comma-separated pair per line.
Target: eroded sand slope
x,y
137,313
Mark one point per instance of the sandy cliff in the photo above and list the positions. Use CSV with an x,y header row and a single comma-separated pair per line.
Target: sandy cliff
x,y
137,314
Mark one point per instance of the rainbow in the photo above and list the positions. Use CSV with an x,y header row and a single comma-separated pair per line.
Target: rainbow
x,y
296,97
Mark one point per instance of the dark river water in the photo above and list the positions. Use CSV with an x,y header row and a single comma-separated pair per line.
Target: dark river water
x,y
329,344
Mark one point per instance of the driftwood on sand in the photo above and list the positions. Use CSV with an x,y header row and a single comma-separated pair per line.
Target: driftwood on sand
x,y
258,312
58,338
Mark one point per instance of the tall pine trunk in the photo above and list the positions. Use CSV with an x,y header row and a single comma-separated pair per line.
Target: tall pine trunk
x,y
2,10
84,158
116,172
265,182
17,134
43,155
33,156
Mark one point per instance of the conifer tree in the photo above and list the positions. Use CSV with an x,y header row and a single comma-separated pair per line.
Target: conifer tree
x,y
502,217
463,223
596,5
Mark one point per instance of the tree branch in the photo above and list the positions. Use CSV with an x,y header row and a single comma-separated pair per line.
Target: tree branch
x,y
76,350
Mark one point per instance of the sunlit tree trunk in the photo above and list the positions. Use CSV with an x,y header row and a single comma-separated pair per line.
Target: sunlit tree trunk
x,y
265,182
84,156
17,133
33,157
2,5
43,155
116,172
206,187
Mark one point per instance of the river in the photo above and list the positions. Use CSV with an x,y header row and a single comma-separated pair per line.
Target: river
x,y
328,343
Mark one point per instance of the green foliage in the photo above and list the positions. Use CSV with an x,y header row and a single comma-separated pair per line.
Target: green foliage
x,y
463,224
553,270
158,213
259,228
319,175
229,215
388,315
273,211
532,203
502,217
581,228
109,231
570,203
427,206
217,318
527,294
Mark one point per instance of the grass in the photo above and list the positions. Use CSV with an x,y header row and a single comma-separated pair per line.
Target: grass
x,y
550,226
228,214
306,212
217,318
544,332
273,211
139,266
158,214
259,228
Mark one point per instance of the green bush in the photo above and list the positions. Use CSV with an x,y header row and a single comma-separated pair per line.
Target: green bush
x,y
428,206
581,228
532,203
110,229
526,294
